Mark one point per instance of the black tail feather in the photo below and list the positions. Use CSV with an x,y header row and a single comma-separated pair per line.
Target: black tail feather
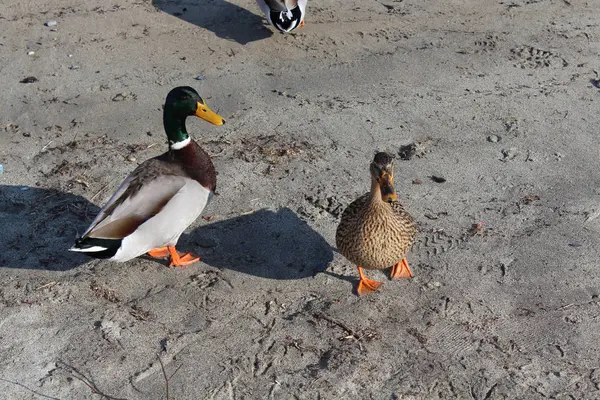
x,y
111,246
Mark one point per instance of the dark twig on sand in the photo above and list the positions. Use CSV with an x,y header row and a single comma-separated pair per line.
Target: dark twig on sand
x,y
31,390
338,323
74,372
162,367
167,379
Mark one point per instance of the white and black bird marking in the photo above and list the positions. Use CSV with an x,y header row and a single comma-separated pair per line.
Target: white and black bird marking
x,y
285,15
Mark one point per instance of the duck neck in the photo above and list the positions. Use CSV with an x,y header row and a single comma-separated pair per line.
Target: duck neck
x,y
175,129
375,192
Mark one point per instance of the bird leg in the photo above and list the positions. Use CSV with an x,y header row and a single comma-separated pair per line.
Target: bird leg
x,y
159,252
301,24
177,259
366,285
401,270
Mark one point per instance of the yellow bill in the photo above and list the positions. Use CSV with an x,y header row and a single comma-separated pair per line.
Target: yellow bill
x,y
202,111
386,183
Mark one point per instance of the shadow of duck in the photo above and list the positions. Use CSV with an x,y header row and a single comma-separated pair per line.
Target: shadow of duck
x,y
38,225
268,244
224,19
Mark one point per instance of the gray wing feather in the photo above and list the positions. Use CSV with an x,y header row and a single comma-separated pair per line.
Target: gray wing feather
x,y
126,210
277,5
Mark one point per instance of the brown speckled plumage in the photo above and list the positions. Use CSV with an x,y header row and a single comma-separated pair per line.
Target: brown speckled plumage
x,y
375,234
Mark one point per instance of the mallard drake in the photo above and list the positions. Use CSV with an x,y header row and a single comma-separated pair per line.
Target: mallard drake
x,y
285,15
375,231
161,197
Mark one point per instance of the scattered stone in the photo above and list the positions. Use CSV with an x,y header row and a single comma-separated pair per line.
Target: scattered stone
x,y
204,279
30,53
529,199
408,151
493,138
74,67
200,78
29,79
476,228
416,182
131,158
575,244
120,97
51,22
509,154
416,149
438,179
329,204
164,345
26,134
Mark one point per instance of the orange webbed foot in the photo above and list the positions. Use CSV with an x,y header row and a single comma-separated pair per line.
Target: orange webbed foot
x,y
181,260
366,285
159,252
177,259
301,24
401,270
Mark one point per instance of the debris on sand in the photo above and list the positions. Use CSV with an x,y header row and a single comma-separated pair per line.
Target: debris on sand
x,y
476,228
29,79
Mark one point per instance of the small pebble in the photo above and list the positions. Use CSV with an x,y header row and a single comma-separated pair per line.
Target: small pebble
x,y
438,179
30,53
164,345
69,55
131,158
510,154
493,138
74,67
51,22
200,78
120,97
575,244
416,182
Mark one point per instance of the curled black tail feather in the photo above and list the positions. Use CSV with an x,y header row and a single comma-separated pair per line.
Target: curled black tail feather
x,y
106,247
282,22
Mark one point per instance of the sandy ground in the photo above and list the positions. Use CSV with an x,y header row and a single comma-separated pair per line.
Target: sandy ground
x,y
496,97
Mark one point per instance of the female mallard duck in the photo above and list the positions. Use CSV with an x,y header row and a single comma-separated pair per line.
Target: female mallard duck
x,y
161,197
285,15
375,232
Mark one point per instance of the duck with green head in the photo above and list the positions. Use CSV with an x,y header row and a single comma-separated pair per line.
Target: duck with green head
x,y
161,197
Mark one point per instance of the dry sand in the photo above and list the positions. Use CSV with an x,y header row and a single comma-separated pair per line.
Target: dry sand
x,y
495,97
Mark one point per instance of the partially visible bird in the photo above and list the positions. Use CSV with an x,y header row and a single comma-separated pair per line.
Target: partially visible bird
x,y
161,197
285,15
375,231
